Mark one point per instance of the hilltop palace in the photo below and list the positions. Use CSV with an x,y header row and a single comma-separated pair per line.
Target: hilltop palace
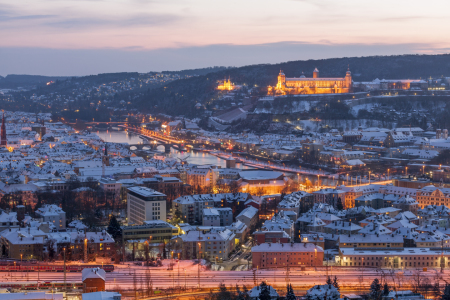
x,y
315,85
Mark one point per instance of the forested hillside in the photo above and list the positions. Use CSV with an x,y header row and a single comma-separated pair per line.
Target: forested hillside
x,y
179,97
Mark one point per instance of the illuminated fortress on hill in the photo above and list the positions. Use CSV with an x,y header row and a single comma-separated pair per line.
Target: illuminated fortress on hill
x,y
315,85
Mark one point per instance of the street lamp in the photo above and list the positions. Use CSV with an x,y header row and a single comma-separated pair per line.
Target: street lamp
x,y
64,249
388,173
198,270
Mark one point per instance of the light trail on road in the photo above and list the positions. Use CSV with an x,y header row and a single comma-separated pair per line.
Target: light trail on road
x,y
349,280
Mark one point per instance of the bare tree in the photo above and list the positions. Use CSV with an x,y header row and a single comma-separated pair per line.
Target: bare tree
x,y
148,280
416,281
426,286
135,285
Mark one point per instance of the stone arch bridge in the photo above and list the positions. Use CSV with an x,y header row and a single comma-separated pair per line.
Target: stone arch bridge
x,y
151,146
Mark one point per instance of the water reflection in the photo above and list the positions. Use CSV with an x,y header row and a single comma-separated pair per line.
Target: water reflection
x,y
202,158
198,158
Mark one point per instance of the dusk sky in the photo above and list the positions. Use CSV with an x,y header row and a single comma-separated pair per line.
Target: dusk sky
x,y
81,37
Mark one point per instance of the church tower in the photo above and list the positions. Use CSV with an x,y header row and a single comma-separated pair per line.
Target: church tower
x,y
281,81
105,157
348,80
316,73
3,142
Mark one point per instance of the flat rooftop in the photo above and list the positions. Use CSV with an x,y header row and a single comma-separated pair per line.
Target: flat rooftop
x,y
144,192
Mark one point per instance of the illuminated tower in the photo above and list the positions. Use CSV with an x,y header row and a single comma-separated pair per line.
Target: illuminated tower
x,y
3,142
316,73
281,81
348,79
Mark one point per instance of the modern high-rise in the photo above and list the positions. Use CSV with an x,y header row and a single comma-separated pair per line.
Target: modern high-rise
x,y
144,204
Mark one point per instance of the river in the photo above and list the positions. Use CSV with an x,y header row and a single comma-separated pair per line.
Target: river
x,y
194,157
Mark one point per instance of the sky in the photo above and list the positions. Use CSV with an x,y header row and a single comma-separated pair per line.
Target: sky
x,y
82,37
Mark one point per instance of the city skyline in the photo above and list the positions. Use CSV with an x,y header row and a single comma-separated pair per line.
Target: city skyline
x,y
88,37
224,150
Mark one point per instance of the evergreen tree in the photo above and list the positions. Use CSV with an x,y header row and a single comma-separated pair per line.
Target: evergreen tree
x,y
264,294
336,283
177,218
245,292
375,289
239,294
329,280
223,293
339,205
290,293
446,294
114,228
386,289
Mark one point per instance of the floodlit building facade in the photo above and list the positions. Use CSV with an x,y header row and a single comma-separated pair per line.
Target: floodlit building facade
x,y
315,85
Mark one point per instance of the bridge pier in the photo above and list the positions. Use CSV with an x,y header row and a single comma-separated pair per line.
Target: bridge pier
x,y
167,148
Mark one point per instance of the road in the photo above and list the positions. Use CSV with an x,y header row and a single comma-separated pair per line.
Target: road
x,y
350,280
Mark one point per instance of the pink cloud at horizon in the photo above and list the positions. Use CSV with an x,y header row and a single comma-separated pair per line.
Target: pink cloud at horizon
x,y
149,25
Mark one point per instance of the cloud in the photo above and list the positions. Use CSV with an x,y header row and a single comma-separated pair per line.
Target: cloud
x,y
25,17
402,19
7,14
132,21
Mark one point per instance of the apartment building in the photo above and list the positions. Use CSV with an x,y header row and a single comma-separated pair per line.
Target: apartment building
x,y
431,195
281,255
53,214
191,206
215,245
217,216
407,258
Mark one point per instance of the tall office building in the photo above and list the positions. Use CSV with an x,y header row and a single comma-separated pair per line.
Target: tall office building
x,y
144,204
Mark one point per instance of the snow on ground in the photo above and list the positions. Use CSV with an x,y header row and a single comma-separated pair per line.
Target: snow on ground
x,y
215,267
357,108
313,126
242,268
297,106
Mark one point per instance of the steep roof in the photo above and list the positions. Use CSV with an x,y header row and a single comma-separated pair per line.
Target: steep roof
x,y
93,273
